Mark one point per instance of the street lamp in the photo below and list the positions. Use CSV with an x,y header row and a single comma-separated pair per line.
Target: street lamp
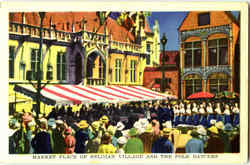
x,y
38,94
163,82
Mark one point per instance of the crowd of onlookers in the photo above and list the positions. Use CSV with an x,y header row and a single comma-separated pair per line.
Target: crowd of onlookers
x,y
141,127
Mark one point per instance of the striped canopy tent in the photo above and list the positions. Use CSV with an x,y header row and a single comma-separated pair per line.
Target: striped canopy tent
x,y
78,94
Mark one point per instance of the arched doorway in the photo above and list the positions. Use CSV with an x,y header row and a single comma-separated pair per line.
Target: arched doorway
x,y
95,70
78,69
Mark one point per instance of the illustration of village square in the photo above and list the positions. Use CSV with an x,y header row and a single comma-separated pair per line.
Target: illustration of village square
x,y
124,82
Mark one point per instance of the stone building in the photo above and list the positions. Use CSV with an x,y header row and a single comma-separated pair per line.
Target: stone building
x,y
208,49
80,48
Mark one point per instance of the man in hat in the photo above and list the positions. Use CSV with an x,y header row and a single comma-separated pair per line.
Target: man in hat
x,y
51,128
59,144
106,146
214,143
81,136
41,142
194,145
134,144
147,138
163,145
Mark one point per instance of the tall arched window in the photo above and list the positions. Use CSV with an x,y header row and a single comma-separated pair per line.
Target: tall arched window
x,y
61,66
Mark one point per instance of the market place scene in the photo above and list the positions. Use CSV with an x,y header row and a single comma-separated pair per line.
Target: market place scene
x,y
124,82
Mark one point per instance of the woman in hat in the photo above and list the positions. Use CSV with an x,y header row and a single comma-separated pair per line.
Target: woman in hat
x,y
95,135
81,137
41,142
214,143
121,142
227,115
236,118
196,116
194,145
210,114
147,138
203,116
59,143
189,119
31,131
163,145
69,141
217,111
134,144
106,146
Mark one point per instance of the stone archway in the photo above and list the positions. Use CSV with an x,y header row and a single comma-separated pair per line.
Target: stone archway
x,y
95,69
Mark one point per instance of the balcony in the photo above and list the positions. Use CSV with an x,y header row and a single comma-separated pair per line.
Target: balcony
x,y
95,81
207,70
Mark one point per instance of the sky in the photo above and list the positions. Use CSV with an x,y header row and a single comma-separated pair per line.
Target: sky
x,y
169,23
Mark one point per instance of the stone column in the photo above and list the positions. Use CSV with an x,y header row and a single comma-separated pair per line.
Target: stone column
x,y
231,60
204,50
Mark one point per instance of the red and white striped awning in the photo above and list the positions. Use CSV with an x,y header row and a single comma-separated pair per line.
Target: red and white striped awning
x,y
77,94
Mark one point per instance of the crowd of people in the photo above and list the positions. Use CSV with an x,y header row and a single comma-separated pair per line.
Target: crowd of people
x,y
140,127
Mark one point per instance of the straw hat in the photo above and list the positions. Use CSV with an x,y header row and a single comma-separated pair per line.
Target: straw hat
x,y
68,131
104,119
51,122
212,122
122,140
149,128
59,122
132,132
166,131
228,127
96,125
219,125
43,121
32,123
202,131
111,130
120,126
213,129
143,122
83,124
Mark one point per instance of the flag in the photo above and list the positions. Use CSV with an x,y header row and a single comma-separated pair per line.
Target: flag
x,y
114,15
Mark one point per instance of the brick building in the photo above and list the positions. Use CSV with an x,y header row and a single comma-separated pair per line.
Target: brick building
x,y
152,75
208,50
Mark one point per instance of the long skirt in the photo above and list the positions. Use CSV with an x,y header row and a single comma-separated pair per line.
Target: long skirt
x,y
203,121
196,119
236,119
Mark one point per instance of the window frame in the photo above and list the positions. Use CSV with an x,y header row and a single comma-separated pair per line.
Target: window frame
x,y
34,62
218,47
12,50
61,66
118,68
133,71
192,49
201,19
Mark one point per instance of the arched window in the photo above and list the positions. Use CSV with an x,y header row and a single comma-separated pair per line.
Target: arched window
x,y
61,66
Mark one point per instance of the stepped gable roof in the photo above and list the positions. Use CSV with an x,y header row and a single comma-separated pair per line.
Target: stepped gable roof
x,y
217,18
63,22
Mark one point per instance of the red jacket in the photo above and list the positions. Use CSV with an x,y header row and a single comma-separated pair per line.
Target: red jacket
x,y
70,144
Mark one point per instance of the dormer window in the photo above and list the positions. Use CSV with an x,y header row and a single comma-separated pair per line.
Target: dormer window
x,y
204,19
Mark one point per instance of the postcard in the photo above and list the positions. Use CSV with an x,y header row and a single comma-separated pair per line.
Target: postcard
x,y
127,82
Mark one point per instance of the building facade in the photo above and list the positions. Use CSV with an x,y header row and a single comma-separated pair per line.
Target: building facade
x,y
80,48
153,75
208,49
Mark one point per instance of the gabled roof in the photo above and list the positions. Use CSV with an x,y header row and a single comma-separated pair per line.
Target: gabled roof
x,y
217,18
63,22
